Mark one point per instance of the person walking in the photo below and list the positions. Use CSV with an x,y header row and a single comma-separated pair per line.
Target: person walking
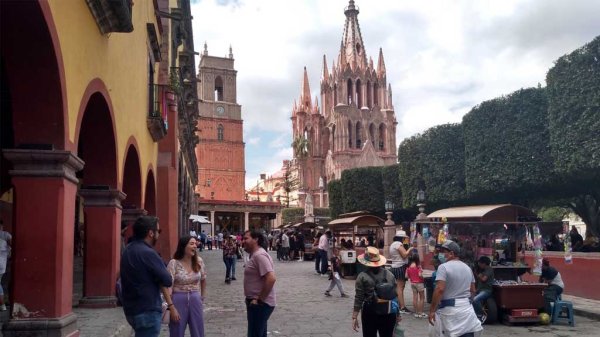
x,y
300,245
229,258
202,241
317,253
417,283
555,285
5,248
399,257
484,277
334,276
451,312
220,240
209,241
188,291
143,274
259,285
285,247
365,297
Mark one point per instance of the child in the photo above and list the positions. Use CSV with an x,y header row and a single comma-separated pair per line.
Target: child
x,y
334,275
415,274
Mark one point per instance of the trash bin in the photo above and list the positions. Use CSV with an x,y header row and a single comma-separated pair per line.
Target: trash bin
x,y
429,288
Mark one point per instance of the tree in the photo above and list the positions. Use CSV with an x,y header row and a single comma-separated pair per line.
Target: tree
x,y
290,181
336,205
301,146
574,125
362,190
507,155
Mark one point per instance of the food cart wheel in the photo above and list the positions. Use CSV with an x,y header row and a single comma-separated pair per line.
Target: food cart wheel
x,y
491,310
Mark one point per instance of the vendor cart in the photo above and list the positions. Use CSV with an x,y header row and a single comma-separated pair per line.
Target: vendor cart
x,y
350,227
308,229
496,231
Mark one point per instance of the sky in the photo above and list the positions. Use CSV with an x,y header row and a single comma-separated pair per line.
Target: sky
x,y
442,57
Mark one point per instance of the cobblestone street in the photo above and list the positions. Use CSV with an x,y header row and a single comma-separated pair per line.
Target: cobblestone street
x,y
303,310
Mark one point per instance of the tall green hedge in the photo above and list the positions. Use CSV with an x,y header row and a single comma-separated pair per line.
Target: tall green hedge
x,y
433,161
574,113
506,146
390,177
296,214
336,205
362,190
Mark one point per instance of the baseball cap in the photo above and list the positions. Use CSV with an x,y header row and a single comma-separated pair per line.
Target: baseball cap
x,y
451,246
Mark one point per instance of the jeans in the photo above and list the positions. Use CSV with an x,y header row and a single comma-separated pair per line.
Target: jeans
x,y
146,324
551,294
317,260
324,262
479,299
258,315
229,267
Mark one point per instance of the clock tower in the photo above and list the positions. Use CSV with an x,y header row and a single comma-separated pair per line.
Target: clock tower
x,y
220,153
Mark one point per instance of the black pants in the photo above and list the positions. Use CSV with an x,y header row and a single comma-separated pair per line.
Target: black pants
x,y
373,323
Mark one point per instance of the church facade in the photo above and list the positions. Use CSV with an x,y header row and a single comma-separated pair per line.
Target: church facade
x,y
355,126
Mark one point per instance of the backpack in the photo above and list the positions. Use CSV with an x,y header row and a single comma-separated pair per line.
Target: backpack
x,y
384,299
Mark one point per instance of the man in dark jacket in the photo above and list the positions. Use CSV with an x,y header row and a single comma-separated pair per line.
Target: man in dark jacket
x,y
555,285
143,273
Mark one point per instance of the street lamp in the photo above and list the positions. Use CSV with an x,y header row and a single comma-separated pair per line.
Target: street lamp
x,y
421,205
389,210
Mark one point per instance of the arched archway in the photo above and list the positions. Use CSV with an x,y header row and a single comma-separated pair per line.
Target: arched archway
x,y
326,140
150,194
100,225
350,134
349,91
218,88
132,179
358,95
376,94
369,95
35,139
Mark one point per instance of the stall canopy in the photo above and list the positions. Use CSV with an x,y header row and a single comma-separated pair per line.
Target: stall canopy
x,y
361,220
483,213
199,218
305,225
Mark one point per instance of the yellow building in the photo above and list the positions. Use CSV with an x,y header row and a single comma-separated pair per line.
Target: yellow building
x,y
90,132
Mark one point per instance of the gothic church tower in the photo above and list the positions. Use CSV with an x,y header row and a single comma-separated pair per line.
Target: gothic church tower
x,y
355,125
220,153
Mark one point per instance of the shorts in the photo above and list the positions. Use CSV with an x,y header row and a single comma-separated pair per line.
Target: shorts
x,y
418,287
399,273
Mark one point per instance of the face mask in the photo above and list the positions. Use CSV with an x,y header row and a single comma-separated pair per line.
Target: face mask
x,y
442,257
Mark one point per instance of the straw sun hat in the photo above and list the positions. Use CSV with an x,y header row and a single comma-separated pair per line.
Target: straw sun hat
x,y
372,258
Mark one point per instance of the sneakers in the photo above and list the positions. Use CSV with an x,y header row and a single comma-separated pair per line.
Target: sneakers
x,y
344,295
328,294
421,315
3,307
316,272
228,281
405,310
233,279
482,318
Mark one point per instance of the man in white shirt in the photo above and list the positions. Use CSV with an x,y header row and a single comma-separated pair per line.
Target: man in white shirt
x,y
285,247
5,247
323,248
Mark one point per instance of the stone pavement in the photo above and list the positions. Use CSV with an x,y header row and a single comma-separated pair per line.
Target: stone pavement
x,y
302,309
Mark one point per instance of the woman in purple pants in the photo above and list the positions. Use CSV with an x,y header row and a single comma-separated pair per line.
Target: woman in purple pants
x,y
189,283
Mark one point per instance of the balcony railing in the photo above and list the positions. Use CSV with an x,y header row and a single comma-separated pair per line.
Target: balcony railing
x,y
157,115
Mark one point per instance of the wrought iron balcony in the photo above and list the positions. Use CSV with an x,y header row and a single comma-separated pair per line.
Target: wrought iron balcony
x,y
157,114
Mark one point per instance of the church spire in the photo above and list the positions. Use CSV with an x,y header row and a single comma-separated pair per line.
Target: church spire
x,y
353,48
325,75
305,95
380,64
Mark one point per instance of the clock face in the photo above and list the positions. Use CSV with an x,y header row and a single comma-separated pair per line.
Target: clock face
x,y
220,110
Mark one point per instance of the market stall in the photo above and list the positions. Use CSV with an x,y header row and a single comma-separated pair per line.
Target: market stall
x,y
356,228
308,229
501,232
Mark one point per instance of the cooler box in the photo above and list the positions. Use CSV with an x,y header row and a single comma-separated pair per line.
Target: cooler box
x,y
348,256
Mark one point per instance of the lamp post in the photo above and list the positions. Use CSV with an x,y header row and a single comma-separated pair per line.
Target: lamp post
x,y
421,205
389,210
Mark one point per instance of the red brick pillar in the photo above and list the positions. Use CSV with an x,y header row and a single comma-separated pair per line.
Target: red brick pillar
x,y
102,246
45,188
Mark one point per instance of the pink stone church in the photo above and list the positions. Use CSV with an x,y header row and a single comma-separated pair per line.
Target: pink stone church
x,y
355,126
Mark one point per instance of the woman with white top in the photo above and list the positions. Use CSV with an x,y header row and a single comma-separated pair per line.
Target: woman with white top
x,y
399,258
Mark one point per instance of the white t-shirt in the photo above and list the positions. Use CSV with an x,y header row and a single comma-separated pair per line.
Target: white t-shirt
x,y
324,242
285,241
220,237
4,238
395,257
557,280
193,234
458,277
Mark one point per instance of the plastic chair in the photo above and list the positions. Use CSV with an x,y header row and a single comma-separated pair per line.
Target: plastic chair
x,y
562,312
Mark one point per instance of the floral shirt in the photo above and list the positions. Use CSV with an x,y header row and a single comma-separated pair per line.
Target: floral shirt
x,y
184,280
229,248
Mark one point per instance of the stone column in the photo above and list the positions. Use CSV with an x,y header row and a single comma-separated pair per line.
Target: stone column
x,y
45,188
246,221
212,223
103,229
389,230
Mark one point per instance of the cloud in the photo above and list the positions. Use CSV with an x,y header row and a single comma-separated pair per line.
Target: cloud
x,y
442,58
